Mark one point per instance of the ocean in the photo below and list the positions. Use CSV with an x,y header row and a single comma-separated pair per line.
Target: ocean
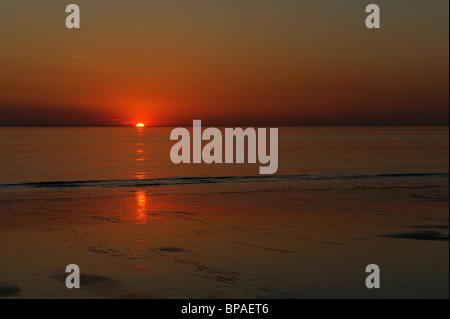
x,y
111,201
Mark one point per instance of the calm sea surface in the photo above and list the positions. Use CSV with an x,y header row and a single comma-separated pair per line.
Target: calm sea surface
x,y
127,157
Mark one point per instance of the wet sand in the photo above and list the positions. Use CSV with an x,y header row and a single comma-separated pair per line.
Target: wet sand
x,y
231,245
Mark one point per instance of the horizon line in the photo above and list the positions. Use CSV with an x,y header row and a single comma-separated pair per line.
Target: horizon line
x,y
226,125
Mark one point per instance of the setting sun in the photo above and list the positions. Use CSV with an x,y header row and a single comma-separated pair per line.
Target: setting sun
x,y
140,125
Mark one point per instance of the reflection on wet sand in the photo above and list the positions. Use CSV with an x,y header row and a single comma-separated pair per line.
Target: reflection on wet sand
x,y
141,214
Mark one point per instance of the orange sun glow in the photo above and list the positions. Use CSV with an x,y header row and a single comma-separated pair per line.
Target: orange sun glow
x,y
140,125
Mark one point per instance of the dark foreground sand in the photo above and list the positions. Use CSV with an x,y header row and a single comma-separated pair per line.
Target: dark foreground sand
x,y
283,244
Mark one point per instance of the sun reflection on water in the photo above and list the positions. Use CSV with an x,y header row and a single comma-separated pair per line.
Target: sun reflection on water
x,y
141,199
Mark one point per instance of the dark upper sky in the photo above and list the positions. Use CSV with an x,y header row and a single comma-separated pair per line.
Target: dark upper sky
x,y
234,62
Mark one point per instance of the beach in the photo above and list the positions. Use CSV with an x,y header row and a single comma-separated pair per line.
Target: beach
x,y
138,226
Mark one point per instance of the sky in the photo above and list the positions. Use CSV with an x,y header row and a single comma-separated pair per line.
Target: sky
x,y
233,62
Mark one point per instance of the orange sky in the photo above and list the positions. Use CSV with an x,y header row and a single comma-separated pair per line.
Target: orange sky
x,y
243,62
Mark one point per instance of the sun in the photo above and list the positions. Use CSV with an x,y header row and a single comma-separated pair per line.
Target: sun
x,y
140,125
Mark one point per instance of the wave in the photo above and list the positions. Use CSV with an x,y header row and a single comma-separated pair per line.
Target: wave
x,y
198,180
